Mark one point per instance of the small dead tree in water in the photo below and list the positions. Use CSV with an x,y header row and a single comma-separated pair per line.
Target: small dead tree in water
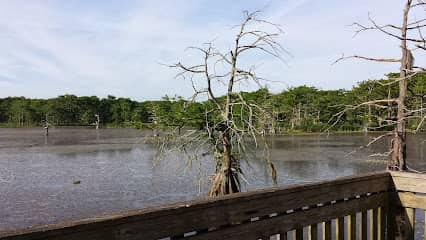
x,y
411,39
230,120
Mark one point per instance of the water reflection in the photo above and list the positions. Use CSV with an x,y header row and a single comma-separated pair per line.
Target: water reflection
x,y
117,172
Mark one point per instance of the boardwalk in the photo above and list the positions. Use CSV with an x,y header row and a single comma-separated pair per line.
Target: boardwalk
x,y
323,210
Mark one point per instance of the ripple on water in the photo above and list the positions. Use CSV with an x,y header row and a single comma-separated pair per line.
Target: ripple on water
x,y
117,171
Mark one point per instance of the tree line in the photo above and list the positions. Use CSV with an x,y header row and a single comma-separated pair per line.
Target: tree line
x,y
298,109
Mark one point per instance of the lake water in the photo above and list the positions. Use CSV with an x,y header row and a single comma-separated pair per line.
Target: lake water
x,y
117,171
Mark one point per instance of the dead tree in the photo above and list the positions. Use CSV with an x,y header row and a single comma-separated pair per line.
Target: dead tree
x,y
46,125
217,77
409,33
97,121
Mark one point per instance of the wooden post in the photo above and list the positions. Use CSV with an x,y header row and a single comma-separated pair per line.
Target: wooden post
x,y
409,223
401,223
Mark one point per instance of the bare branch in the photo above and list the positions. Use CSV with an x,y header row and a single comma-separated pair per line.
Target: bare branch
x,y
382,28
374,103
391,60
365,28
398,79
374,140
420,125
419,3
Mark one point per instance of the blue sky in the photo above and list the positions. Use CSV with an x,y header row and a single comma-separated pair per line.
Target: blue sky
x,y
101,47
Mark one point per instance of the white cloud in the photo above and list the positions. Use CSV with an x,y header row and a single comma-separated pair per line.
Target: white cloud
x,y
47,49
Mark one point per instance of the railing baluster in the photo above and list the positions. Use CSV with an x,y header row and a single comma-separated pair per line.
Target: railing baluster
x,y
313,232
265,237
363,225
327,230
382,222
373,224
340,228
351,226
390,219
409,224
299,234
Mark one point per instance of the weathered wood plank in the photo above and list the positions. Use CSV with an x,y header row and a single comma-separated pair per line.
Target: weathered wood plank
x,y
294,220
411,200
420,176
409,223
409,182
84,235
190,216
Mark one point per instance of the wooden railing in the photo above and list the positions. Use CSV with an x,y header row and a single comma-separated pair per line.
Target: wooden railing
x,y
408,199
359,207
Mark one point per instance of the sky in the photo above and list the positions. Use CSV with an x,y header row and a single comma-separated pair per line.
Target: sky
x,y
108,47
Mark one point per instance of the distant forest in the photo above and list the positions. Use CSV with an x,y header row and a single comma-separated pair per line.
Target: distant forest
x,y
298,109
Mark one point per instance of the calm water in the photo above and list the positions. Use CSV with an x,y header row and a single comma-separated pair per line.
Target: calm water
x,y
118,172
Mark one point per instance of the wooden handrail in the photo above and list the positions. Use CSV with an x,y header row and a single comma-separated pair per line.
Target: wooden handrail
x,y
409,196
248,215
409,182
380,197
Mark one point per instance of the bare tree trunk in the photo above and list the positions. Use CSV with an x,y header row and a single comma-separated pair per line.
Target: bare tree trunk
x,y
398,157
225,181
399,151
389,104
97,121
369,116
229,134
299,115
317,118
305,114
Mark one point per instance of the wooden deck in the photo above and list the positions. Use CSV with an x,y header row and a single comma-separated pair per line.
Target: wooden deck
x,y
359,207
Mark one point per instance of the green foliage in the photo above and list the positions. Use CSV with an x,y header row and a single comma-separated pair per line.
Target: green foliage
x,y
298,109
